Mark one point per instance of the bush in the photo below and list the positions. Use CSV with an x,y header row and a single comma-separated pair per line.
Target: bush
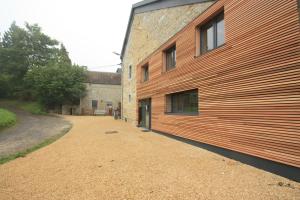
x,y
7,118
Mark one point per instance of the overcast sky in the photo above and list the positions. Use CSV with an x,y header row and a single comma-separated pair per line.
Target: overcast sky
x,y
90,29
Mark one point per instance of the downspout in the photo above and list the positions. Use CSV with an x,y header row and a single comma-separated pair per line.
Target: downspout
x,y
122,85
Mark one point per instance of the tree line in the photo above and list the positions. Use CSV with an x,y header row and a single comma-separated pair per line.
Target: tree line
x,y
33,66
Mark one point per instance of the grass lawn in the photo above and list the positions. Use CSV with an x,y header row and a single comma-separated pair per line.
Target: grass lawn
x,y
33,107
29,106
7,118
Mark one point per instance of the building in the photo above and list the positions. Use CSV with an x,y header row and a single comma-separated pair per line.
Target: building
x,y
151,23
103,95
229,79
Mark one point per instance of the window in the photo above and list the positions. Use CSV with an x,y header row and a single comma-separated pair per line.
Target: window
x,y
182,102
170,58
129,71
94,104
212,34
145,72
129,98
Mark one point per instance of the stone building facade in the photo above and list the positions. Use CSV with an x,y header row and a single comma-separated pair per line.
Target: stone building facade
x,y
151,24
103,95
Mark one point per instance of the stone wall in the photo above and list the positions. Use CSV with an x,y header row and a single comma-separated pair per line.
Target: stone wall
x,y
149,31
103,94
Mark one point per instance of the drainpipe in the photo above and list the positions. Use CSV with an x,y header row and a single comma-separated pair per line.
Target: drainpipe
x,y
122,86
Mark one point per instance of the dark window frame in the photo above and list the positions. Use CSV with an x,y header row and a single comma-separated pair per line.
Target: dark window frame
x,y
170,57
179,98
145,72
203,28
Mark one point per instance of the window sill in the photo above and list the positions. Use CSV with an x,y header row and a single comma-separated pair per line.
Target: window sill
x,y
144,82
168,71
184,113
219,48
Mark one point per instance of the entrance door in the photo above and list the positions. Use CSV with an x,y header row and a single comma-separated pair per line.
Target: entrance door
x,y
145,113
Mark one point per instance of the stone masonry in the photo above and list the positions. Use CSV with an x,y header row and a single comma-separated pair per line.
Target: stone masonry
x,y
148,32
103,94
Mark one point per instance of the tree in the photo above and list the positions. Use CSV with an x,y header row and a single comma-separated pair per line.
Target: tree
x,y
32,65
63,56
57,84
20,50
41,48
13,52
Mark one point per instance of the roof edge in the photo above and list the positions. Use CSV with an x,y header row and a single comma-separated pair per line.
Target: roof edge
x,y
163,4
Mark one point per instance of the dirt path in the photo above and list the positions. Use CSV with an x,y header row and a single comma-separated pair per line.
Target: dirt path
x,y
88,163
29,131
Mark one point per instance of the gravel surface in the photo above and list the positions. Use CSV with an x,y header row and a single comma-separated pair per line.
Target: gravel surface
x,y
30,130
101,158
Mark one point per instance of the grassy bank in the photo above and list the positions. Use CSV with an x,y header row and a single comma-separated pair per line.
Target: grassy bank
x,y
34,148
7,118
29,106
33,107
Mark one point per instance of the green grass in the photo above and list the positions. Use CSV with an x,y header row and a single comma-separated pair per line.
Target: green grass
x,y
34,148
7,118
33,107
29,106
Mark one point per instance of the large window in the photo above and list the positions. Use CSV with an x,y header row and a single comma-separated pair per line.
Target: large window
x,y
182,102
212,34
145,72
170,58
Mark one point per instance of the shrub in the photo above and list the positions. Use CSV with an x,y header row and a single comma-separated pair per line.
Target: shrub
x,y
7,118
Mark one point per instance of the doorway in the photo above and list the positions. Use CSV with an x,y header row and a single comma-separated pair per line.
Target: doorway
x,y
145,113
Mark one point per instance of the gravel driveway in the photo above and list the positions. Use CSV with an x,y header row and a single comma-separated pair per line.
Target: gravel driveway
x,y
101,158
29,131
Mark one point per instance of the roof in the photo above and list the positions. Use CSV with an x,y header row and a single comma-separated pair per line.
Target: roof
x,y
107,78
150,5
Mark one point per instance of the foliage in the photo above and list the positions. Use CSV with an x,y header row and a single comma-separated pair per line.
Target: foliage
x,y
20,50
57,84
34,66
7,118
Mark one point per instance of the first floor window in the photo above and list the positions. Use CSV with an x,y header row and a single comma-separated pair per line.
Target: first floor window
x,y
94,104
182,102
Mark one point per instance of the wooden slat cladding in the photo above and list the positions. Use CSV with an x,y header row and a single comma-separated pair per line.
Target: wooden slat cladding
x,y
249,89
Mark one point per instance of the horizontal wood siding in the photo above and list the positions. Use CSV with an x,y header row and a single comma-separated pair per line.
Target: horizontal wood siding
x,y
249,89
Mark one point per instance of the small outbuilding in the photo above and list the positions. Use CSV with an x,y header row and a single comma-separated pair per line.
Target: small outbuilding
x,y
103,95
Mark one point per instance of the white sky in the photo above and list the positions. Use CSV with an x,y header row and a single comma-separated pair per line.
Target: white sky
x,y
90,29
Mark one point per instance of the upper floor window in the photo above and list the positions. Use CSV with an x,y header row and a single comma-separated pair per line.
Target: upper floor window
x,y
145,72
170,57
212,34
129,71
185,102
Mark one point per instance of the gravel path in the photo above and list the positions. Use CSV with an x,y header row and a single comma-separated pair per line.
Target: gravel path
x,y
92,161
29,131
